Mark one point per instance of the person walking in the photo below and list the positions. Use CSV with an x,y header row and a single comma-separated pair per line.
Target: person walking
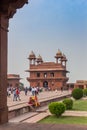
x,y
14,94
33,91
26,90
17,94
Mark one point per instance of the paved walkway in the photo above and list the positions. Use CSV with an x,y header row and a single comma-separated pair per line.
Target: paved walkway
x,y
41,96
37,126
75,113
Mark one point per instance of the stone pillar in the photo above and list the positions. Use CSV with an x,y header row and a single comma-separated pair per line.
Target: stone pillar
x,y
3,69
7,10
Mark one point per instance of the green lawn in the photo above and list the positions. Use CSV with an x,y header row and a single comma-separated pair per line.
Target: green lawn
x,y
79,105
64,120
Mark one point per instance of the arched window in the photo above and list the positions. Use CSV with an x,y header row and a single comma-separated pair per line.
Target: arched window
x,y
52,74
45,75
45,84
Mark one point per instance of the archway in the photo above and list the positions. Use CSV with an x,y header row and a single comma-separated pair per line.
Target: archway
x,y
45,84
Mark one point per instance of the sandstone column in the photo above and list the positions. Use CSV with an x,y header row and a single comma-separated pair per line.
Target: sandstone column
x,y
7,10
3,69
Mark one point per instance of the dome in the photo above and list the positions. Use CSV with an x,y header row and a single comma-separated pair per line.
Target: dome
x,y
58,54
32,55
39,58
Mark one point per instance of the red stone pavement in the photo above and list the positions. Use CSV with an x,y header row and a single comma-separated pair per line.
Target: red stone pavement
x,y
38,126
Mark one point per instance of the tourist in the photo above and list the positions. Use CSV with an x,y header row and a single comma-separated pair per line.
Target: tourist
x,y
26,90
14,94
17,94
31,101
8,91
33,91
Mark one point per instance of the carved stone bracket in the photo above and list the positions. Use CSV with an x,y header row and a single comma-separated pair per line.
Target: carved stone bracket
x,y
8,7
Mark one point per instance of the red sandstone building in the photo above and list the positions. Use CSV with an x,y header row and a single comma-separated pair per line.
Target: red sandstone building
x,y
81,84
13,80
48,74
78,84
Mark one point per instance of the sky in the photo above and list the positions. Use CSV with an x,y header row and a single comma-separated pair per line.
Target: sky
x,y
44,26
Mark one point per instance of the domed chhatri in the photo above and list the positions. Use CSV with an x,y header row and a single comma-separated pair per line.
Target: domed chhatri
x,y
39,59
32,58
32,55
58,54
59,57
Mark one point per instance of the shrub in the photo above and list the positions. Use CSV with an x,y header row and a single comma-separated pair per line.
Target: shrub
x,y
77,93
57,108
68,103
85,92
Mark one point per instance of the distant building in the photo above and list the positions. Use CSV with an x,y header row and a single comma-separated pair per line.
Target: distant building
x,y
13,80
78,84
48,74
81,84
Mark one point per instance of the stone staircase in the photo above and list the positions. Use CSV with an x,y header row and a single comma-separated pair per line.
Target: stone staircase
x,y
22,112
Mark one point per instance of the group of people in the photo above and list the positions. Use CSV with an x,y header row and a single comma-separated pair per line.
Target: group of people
x,y
15,91
16,94
33,99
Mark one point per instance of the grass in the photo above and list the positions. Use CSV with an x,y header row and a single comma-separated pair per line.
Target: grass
x,y
78,105
64,120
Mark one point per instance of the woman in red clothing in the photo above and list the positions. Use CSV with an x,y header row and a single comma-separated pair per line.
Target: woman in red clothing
x,y
31,101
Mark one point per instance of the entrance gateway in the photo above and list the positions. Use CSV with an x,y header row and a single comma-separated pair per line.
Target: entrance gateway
x,y
45,84
7,10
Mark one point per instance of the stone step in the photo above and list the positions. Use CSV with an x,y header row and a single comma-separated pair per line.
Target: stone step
x,y
23,117
24,108
36,118
42,109
29,115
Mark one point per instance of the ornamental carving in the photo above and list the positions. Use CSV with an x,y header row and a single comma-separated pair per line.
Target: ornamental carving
x,y
8,7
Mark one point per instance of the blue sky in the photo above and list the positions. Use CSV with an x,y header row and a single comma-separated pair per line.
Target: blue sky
x,y
45,26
